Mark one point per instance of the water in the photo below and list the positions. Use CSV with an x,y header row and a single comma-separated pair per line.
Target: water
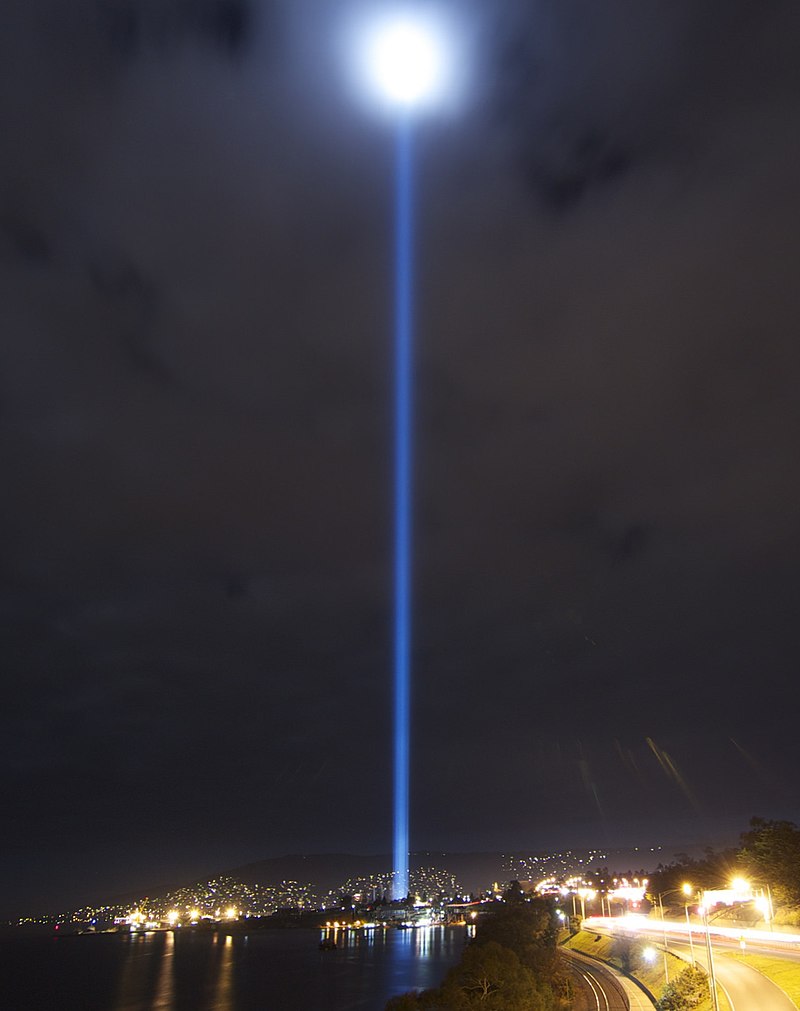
x,y
282,970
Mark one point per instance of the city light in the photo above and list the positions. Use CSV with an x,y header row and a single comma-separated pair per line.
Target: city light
x,y
739,892
629,893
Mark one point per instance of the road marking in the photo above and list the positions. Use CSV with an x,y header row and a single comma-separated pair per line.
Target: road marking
x,y
727,995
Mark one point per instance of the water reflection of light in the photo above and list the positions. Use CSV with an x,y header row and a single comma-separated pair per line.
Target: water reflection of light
x,y
223,993
127,980
417,955
165,988
470,930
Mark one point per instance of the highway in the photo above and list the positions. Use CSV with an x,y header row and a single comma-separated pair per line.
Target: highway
x,y
745,987
785,945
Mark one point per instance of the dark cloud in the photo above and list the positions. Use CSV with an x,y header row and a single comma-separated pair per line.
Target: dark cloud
x,y
133,26
195,584
26,240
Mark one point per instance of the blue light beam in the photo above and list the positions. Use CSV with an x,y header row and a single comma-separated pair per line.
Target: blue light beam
x,y
403,446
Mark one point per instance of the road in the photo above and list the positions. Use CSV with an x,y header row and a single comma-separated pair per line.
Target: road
x,y
746,988
599,987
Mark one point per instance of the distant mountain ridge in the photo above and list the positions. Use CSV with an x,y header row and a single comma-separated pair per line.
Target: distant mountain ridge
x,y
474,871
328,871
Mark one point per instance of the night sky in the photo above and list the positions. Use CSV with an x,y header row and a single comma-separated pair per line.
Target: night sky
x,y
195,428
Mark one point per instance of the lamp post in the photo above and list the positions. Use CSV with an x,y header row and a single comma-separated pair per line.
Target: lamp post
x,y
584,894
687,891
738,885
664,930
768,908
405,67
712,978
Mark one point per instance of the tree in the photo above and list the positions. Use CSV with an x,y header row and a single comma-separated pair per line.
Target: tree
x,y
715,867
512,965
772,849
520,925
492,978
513,893
428,1000
529,929
687,991
405,1002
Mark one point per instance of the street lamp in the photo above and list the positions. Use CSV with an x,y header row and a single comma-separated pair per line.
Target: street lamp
x,y
742,888
762,902
688,891
406,67
664,930
712,977
584,894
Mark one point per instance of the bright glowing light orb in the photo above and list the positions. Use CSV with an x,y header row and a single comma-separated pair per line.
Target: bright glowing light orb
x,y
404,58
407,56
404,61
